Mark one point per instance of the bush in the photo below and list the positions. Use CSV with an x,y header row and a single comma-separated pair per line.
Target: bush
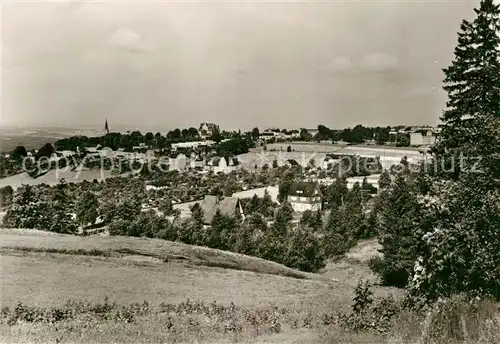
x,y
369,314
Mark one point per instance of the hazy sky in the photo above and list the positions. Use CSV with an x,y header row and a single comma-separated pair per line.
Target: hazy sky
x,y
158,65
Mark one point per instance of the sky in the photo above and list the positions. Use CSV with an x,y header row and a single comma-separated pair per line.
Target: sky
x,y
166,64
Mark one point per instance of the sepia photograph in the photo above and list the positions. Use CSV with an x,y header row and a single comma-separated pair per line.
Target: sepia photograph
x,y
250,171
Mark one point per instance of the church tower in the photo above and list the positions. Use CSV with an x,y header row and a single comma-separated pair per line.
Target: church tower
x,y
106,129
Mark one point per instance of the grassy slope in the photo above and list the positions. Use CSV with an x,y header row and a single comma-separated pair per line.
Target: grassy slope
x,y
49,279
33,240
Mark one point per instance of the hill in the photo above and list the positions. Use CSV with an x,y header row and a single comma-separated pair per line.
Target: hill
x,y
45,270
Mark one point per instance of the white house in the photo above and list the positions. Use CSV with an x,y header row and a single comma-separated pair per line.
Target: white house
x,y
192,144
312,132
179,163
305,196
141,146
220,164
93,149
196,162
422,138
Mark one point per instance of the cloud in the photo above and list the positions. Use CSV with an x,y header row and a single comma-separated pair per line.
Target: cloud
x,y
379,62
128,40
340,64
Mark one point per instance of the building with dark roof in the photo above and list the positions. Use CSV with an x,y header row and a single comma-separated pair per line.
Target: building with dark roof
x,y
305,196
229,206
207,129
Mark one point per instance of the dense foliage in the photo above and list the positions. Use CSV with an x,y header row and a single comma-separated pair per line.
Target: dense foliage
x,y
460,253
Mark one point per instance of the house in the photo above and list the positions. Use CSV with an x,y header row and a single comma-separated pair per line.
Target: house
x,y
272,191
93,149
405,130
305,196
149,155
221,165
393,131
179,163
312,132
229,206
141,146
192,144
66,153
207,129
268,135
106,152
196,162
422,138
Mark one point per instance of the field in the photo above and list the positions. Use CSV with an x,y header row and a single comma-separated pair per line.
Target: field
x,y
36,137
47,270
303,152
54,176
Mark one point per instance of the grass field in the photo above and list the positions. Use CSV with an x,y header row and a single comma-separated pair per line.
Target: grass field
x,y
133,290
54,176
46,270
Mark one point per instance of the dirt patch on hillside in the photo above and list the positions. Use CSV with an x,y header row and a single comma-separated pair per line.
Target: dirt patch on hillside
x,y
143,259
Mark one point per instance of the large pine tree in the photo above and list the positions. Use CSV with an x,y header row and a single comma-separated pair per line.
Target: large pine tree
x,y
461,253
471,121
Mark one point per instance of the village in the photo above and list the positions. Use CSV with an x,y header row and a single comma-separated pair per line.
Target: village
x,y
320,162
250,172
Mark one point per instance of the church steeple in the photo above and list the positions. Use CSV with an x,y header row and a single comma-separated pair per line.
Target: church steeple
x,y
106,129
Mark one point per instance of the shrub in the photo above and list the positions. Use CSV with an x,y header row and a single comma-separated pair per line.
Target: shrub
x,y
369,314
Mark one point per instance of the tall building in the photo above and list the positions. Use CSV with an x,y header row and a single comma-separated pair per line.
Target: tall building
x,y
106,129
206,130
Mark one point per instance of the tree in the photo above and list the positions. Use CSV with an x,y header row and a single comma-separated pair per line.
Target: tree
x,y
255,133
266,205
337,192
216,135
46,150
338,236
166,206
284,185
368,189
193,133
149,137
305,135
253,227
6,196
354,207
254,205
61,206
127,209
471,120
383,135
221,232
284,215
312,219
324,133
19,152
385,180
304,251
197,213
87,208
400,217
459,251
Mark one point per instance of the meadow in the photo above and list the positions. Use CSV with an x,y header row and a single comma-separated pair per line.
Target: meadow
x,y
45,270
66,289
